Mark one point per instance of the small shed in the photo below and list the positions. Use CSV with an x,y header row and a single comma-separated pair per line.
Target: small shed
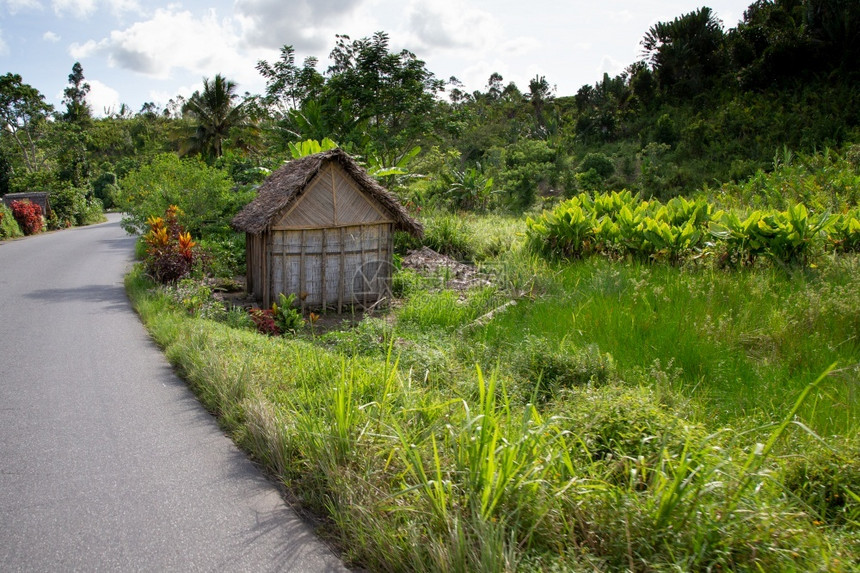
x,y
321,227
40,198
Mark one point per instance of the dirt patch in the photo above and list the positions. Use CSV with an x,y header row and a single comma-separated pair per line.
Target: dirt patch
x,y
452,274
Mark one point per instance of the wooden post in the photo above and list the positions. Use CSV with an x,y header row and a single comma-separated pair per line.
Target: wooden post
x,y
340,277
322,273
302,291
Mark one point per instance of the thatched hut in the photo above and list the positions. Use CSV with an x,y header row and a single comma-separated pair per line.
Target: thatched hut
x,y
322,228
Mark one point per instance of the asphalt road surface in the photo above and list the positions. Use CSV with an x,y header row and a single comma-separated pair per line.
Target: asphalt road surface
x,y
107,460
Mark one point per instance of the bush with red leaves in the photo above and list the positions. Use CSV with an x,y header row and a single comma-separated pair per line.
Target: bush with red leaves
x,y
170,253
28,215
264,319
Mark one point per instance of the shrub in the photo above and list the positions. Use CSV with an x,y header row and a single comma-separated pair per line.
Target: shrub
x,y
827,481
28,215
9,227
225,255
548,370
105,189
448,235
287,318
264,320
598,163
169,249
70,206
469,188
530,167
201,192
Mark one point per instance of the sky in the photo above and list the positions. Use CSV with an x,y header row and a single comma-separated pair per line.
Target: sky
x,y
137,51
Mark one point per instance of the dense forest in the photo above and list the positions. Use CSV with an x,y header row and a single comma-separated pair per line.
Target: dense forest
x,y
705,105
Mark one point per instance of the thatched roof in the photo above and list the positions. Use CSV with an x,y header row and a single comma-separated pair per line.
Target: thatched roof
x,y
284,186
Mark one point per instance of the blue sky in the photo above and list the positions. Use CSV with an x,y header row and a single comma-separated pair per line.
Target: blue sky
x,y
134,51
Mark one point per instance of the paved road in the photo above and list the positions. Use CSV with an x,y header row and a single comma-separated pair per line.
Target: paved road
x,y
107,461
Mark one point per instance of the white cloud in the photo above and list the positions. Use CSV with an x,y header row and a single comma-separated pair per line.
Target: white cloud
x,y
119,7
102,98
51,37
84,8
4,48
15,6
520,45
308,25
170,39
449,24
611,66
77,8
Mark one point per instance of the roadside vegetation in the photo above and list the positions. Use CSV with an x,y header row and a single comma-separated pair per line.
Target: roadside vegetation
x,y
629,338
620,415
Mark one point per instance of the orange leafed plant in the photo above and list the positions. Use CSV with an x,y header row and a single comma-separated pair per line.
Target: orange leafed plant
x,y
169,248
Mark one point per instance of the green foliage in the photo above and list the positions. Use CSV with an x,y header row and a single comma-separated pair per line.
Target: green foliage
x,y
844,231
78,110
105,189
216,113
529,170
827,481
9,228
287,318
224,255
618,223
565,232
600,163
822,182
310,146
445,309
202,193
468,188
550,369
786,236
448,235
71,206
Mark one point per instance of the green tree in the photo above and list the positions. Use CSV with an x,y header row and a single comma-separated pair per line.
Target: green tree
x,y
686,53
389,95
23,113
287,85
201,192
216,111
75,97
540,95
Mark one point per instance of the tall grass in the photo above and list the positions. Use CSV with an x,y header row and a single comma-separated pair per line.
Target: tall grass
x,y
743,342
468,476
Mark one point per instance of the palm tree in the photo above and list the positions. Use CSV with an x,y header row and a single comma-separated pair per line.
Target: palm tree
x,y
216,113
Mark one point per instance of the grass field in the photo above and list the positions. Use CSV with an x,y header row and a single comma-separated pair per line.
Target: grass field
x,y
620,415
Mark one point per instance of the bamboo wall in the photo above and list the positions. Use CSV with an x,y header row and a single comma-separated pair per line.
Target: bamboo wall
x,y
331,268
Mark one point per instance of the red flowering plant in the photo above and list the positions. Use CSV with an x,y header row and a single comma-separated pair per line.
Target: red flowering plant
x,y
170,253
28,215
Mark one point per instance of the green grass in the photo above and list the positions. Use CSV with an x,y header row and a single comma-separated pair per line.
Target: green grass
x,y
623,416
744,343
